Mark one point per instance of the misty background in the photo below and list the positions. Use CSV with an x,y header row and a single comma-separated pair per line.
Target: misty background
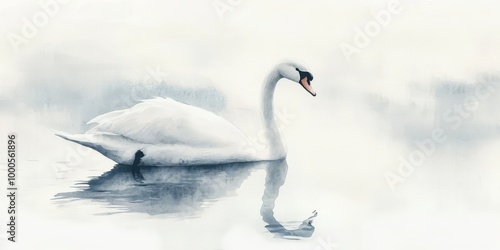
x,y
94,57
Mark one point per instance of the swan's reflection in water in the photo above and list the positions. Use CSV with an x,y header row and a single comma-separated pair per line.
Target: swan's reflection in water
x,y
185,191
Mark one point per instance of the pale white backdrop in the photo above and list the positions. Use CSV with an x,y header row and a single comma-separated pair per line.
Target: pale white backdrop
x,y
377,100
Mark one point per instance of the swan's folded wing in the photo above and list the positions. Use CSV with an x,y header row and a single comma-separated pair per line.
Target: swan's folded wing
x,y
165,121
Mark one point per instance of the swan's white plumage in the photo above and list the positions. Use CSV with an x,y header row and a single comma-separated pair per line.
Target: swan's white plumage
x,y
168,132
165,121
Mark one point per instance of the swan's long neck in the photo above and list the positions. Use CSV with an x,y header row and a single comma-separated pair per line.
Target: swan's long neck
x,y
275,147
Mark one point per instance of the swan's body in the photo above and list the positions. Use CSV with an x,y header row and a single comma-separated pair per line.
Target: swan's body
x,y
170,133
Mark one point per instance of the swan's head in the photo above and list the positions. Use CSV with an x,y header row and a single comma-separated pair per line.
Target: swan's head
x,y
297,72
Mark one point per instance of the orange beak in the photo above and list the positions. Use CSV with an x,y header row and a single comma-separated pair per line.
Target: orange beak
x,y
307,85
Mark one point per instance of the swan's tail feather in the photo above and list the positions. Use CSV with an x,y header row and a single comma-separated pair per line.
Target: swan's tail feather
x,y
108,144
82,139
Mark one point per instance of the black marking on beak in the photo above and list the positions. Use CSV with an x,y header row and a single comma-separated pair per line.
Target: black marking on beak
x,y
304,74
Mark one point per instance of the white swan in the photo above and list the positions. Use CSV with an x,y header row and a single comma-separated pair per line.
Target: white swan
x,y
170,133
